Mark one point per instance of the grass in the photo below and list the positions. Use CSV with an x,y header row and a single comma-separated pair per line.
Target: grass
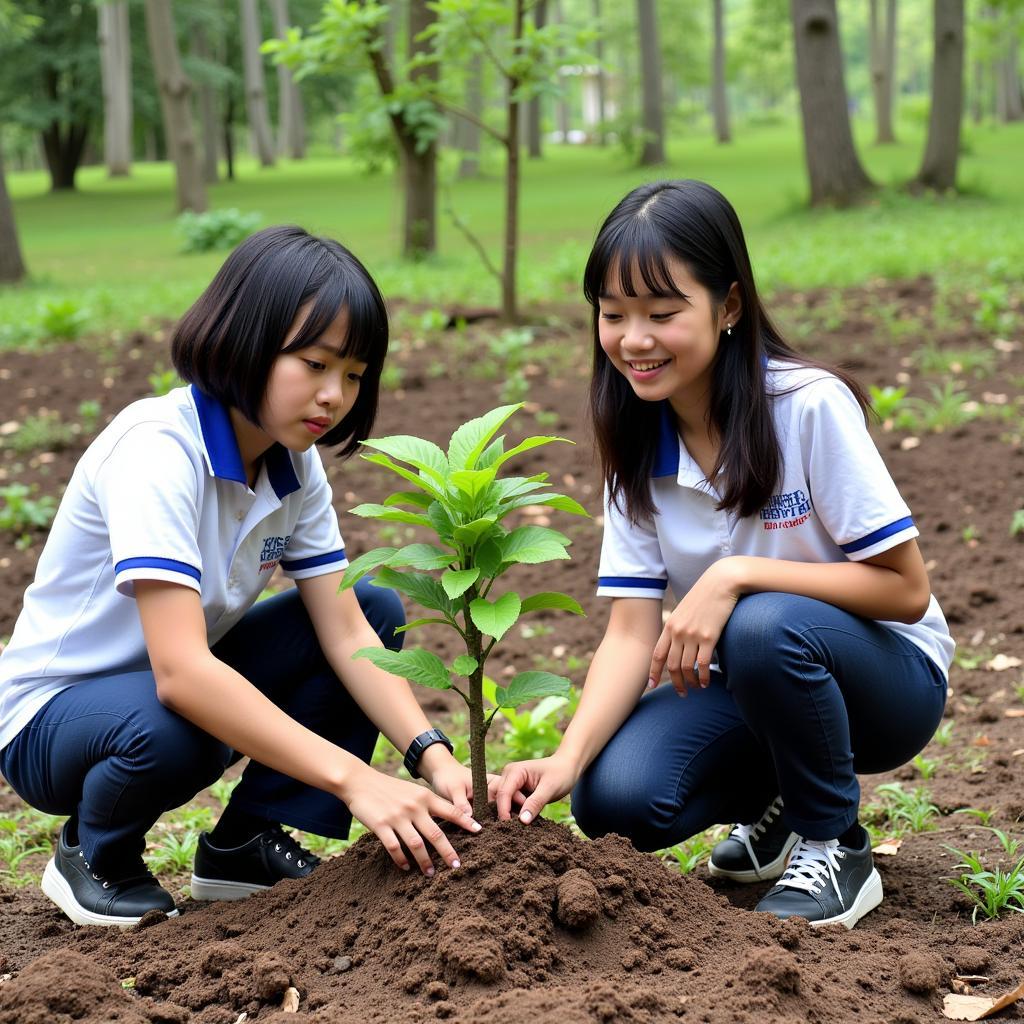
x,y
108,256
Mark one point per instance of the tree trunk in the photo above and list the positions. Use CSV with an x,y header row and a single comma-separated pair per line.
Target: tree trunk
x,y
1014,105
62,146
419,169
12,267
116,73
652,116
207,108
562,113
719,99
978,92
509,303
601,82
942,151
175,103
534,113
467,133
255,86
833,167
291,132
883,66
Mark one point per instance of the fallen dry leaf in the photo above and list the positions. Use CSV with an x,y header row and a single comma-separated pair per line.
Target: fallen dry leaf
x,y
1014,713
982,741
972,979
1001,662
290,1003
1018,752
960,1007
888,849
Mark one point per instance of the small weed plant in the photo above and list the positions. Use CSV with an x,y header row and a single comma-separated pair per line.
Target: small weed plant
x,y
906,812
1017,523
63,319
21,513
948,408
44,432
215,229
534,733
162,382
992,891
926,766
887,401
944,734
460,499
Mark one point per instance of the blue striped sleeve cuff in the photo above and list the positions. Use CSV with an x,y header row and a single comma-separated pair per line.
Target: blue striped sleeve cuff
x,y
314,562
168,564
875,538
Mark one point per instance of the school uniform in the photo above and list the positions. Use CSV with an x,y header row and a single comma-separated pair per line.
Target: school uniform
x,y
803,694
162,494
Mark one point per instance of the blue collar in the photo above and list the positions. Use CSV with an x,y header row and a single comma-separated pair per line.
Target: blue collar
x,y
666,456
222,448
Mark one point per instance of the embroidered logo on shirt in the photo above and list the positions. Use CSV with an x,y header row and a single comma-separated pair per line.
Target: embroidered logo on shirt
x,y
273,549
784,511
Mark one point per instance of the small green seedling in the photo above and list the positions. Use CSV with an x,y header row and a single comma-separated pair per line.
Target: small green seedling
x,y
460,499
991,890
944,734
926,766
20,513
63,319
911,811
687,856
1017,523
977,812
45,432
887,401
162,382
531,734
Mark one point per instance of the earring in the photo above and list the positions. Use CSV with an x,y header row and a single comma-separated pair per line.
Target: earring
x,y
728,330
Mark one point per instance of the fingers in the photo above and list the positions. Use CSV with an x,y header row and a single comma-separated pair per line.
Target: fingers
x,y
440,808
391,843
535,802
513,778
413,841
658,658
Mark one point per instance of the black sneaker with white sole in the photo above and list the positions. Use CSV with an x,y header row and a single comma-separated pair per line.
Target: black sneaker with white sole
x,y
237,872
826,883
757,852
87,897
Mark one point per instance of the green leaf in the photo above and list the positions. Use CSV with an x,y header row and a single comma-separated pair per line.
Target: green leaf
x,y
391,515
497,618
529,685
556,501
488,557
457,581
424,455
409,498
366,562
422,622
406,474
469,441
471,481
470,533
551,599
421,588
527,444
441,521
533,544
422,556
491,453
417,666
464,665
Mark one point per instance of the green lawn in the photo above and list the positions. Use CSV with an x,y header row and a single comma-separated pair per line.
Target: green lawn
x,y
111,248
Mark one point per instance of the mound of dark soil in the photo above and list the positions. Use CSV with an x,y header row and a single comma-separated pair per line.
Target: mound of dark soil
x,y
536,926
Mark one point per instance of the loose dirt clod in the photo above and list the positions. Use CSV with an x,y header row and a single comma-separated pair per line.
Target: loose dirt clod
x,y
922,972
577,903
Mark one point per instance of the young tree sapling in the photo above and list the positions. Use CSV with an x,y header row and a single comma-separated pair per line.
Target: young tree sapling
x,y
461,499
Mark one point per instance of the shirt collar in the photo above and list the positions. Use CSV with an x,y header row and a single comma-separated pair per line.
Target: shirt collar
x,y
666,456
222,448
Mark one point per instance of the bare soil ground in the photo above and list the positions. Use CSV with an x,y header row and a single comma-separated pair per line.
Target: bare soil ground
x,y
538,926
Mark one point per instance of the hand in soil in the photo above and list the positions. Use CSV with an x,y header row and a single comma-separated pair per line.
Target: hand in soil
x,y
401,815
449,779
533,785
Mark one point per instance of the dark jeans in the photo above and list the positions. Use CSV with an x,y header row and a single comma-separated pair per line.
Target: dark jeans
x,y
807,695
107,752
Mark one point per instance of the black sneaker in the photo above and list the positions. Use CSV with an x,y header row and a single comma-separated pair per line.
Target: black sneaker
x,y
240,871
754,853
89,898
826,883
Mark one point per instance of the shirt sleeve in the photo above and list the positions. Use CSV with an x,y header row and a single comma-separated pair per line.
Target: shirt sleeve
x,y
853,494
315,546
148,492
631,561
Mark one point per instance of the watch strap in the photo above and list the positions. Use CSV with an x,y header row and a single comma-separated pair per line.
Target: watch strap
x,y
419,745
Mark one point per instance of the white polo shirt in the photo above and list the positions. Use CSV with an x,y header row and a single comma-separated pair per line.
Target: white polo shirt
x,y
836,501
160,494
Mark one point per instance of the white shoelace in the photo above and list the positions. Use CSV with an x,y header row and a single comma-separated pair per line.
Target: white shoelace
x,y
812,864
744,833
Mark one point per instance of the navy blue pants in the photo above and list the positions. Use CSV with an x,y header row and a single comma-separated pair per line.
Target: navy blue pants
x,y
108,753
807,696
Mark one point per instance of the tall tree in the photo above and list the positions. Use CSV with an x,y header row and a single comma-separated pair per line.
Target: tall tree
x,y
942,150
652,107
467,130
882,45
12,266
207,105
291,132
175,103
255,85
833,167
601,78
116,68
719,98
534,111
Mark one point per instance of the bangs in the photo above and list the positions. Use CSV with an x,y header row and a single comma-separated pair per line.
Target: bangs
x,y
633,255
339,290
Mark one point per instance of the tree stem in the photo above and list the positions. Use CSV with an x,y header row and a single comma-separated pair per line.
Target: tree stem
x,y
477,724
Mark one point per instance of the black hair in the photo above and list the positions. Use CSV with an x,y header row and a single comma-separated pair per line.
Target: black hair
x,y
694,223
227,342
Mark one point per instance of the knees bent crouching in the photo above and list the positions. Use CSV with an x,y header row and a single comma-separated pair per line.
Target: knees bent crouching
x,y
178,755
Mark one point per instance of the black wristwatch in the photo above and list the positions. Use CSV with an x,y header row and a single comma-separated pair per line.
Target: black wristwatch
x,y
418,745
